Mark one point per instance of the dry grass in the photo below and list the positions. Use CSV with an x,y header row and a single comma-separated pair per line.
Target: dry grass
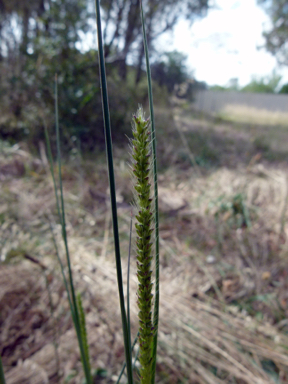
x,y
245,114
223,271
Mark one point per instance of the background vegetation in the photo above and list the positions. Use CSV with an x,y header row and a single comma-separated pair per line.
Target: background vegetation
x,y
40,38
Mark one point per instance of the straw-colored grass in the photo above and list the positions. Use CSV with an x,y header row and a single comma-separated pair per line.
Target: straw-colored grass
x,y
204,336
252,115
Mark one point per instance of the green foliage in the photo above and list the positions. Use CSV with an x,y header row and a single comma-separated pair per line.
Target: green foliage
x,y
234,209
276,37
284,88
218,88
80,110
266,84
261,144
83,331
122,33
231,86
171,70
26,87
52,40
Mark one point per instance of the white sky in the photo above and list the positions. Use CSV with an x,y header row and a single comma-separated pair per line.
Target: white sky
x,y
224,44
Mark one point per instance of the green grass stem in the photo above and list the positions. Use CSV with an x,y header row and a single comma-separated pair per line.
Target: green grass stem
x,y
62,272
128,286
50,158
61,212
83,329
124,365
109,152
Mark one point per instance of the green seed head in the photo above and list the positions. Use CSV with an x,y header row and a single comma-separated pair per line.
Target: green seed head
x,y
141,154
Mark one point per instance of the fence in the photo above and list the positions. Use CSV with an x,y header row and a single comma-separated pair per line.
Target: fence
x,y
214,102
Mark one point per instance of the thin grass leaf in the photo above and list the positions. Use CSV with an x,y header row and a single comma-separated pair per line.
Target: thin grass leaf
x,y
50,158
108,140
76,317
83,329
124,365
2,377
62,272
157,273
136,358
128,286
55,328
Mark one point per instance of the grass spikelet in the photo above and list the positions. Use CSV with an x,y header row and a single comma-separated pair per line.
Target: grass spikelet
x,y
156,211
141,153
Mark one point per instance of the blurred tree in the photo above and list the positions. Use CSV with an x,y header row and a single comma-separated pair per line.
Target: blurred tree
x,y
218,88
284,88
266,84
39,38
277,37
123,25
170,70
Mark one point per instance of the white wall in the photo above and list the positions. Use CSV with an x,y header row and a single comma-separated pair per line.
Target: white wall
x,y
214,101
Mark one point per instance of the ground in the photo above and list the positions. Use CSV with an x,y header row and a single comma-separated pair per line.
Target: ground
x,y
223,195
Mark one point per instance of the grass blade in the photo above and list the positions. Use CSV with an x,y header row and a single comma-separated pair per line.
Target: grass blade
x,y
62,272
83,329
124,365
61,211
108,140
50,159
128,286
2,377
157,273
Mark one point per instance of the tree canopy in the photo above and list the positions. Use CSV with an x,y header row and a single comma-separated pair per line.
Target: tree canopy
x,y
39,38
266,84
122,32
277,37
170,70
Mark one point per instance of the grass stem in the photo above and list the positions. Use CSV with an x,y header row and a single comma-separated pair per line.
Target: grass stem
x,y
108,140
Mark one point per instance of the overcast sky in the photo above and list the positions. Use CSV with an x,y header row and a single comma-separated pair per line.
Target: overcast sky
x,y
224,44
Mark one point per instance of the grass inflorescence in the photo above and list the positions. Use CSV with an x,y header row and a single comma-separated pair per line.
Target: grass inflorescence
x,y
141,153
